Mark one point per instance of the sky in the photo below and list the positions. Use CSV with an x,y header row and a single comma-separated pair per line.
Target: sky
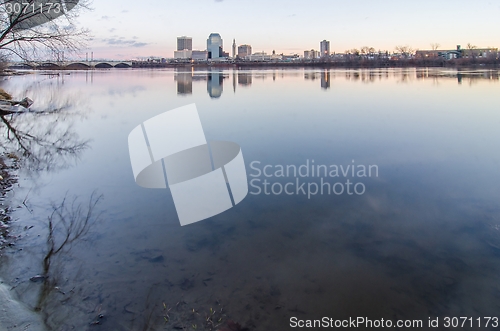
x,y
128,29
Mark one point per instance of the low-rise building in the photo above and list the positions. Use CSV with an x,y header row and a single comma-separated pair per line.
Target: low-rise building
x,y
184,54
259,56
244,51
290,57
312,54
459,52
199,55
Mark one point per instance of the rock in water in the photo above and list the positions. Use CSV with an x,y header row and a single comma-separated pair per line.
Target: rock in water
x,y
15,315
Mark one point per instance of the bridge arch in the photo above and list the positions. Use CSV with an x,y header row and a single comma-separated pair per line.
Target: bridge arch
x,y
123,65
103,65
48,64
77,65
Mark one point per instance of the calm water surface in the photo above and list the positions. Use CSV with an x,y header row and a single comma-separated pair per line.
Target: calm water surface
x,y
422,241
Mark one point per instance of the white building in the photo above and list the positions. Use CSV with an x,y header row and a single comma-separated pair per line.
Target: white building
x,y
312,54
277,57
259,56
184,54
199,56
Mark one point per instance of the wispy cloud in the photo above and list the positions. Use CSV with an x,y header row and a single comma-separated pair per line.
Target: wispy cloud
x,y
124,42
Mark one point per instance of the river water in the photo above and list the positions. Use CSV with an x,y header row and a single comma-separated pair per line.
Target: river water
x,y
418,237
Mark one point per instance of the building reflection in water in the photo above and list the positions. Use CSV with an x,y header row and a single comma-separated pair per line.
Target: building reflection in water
x,y
234,81
469,76
214,83
245,78
311,75
215,77
325,79
184,80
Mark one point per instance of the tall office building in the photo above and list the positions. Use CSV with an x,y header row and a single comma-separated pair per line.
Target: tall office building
x,y
184,43
244,50
214,46
234,48
324,48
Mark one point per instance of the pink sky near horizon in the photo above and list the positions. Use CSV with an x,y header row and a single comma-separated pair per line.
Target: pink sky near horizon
x,y
145,29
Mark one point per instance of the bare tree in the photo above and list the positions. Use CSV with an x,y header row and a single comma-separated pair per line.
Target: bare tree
x,y
435,46
470,49
406,51
471,46
33,28
365,50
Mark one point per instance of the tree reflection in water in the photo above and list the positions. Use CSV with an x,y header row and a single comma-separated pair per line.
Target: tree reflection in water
x,y
43,137
69,223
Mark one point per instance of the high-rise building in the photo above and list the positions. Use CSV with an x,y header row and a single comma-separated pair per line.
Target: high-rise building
x,y
244,50
214,46
234,48
184,43
324,48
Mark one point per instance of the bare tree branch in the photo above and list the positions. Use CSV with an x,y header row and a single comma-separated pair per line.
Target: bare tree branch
x,y
30,29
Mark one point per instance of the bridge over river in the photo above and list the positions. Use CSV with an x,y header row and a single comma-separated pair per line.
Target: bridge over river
x,y
71,64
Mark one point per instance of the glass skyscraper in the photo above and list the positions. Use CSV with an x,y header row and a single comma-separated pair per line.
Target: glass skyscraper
x,y
214,46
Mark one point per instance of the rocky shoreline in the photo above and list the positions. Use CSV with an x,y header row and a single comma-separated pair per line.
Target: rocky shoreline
x,y
8,178
13,313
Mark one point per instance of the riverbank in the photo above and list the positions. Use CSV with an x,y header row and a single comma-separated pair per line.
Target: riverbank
x,y
13,313
8,177
350,63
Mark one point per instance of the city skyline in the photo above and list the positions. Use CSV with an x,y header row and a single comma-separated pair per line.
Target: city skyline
x,y
287,26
